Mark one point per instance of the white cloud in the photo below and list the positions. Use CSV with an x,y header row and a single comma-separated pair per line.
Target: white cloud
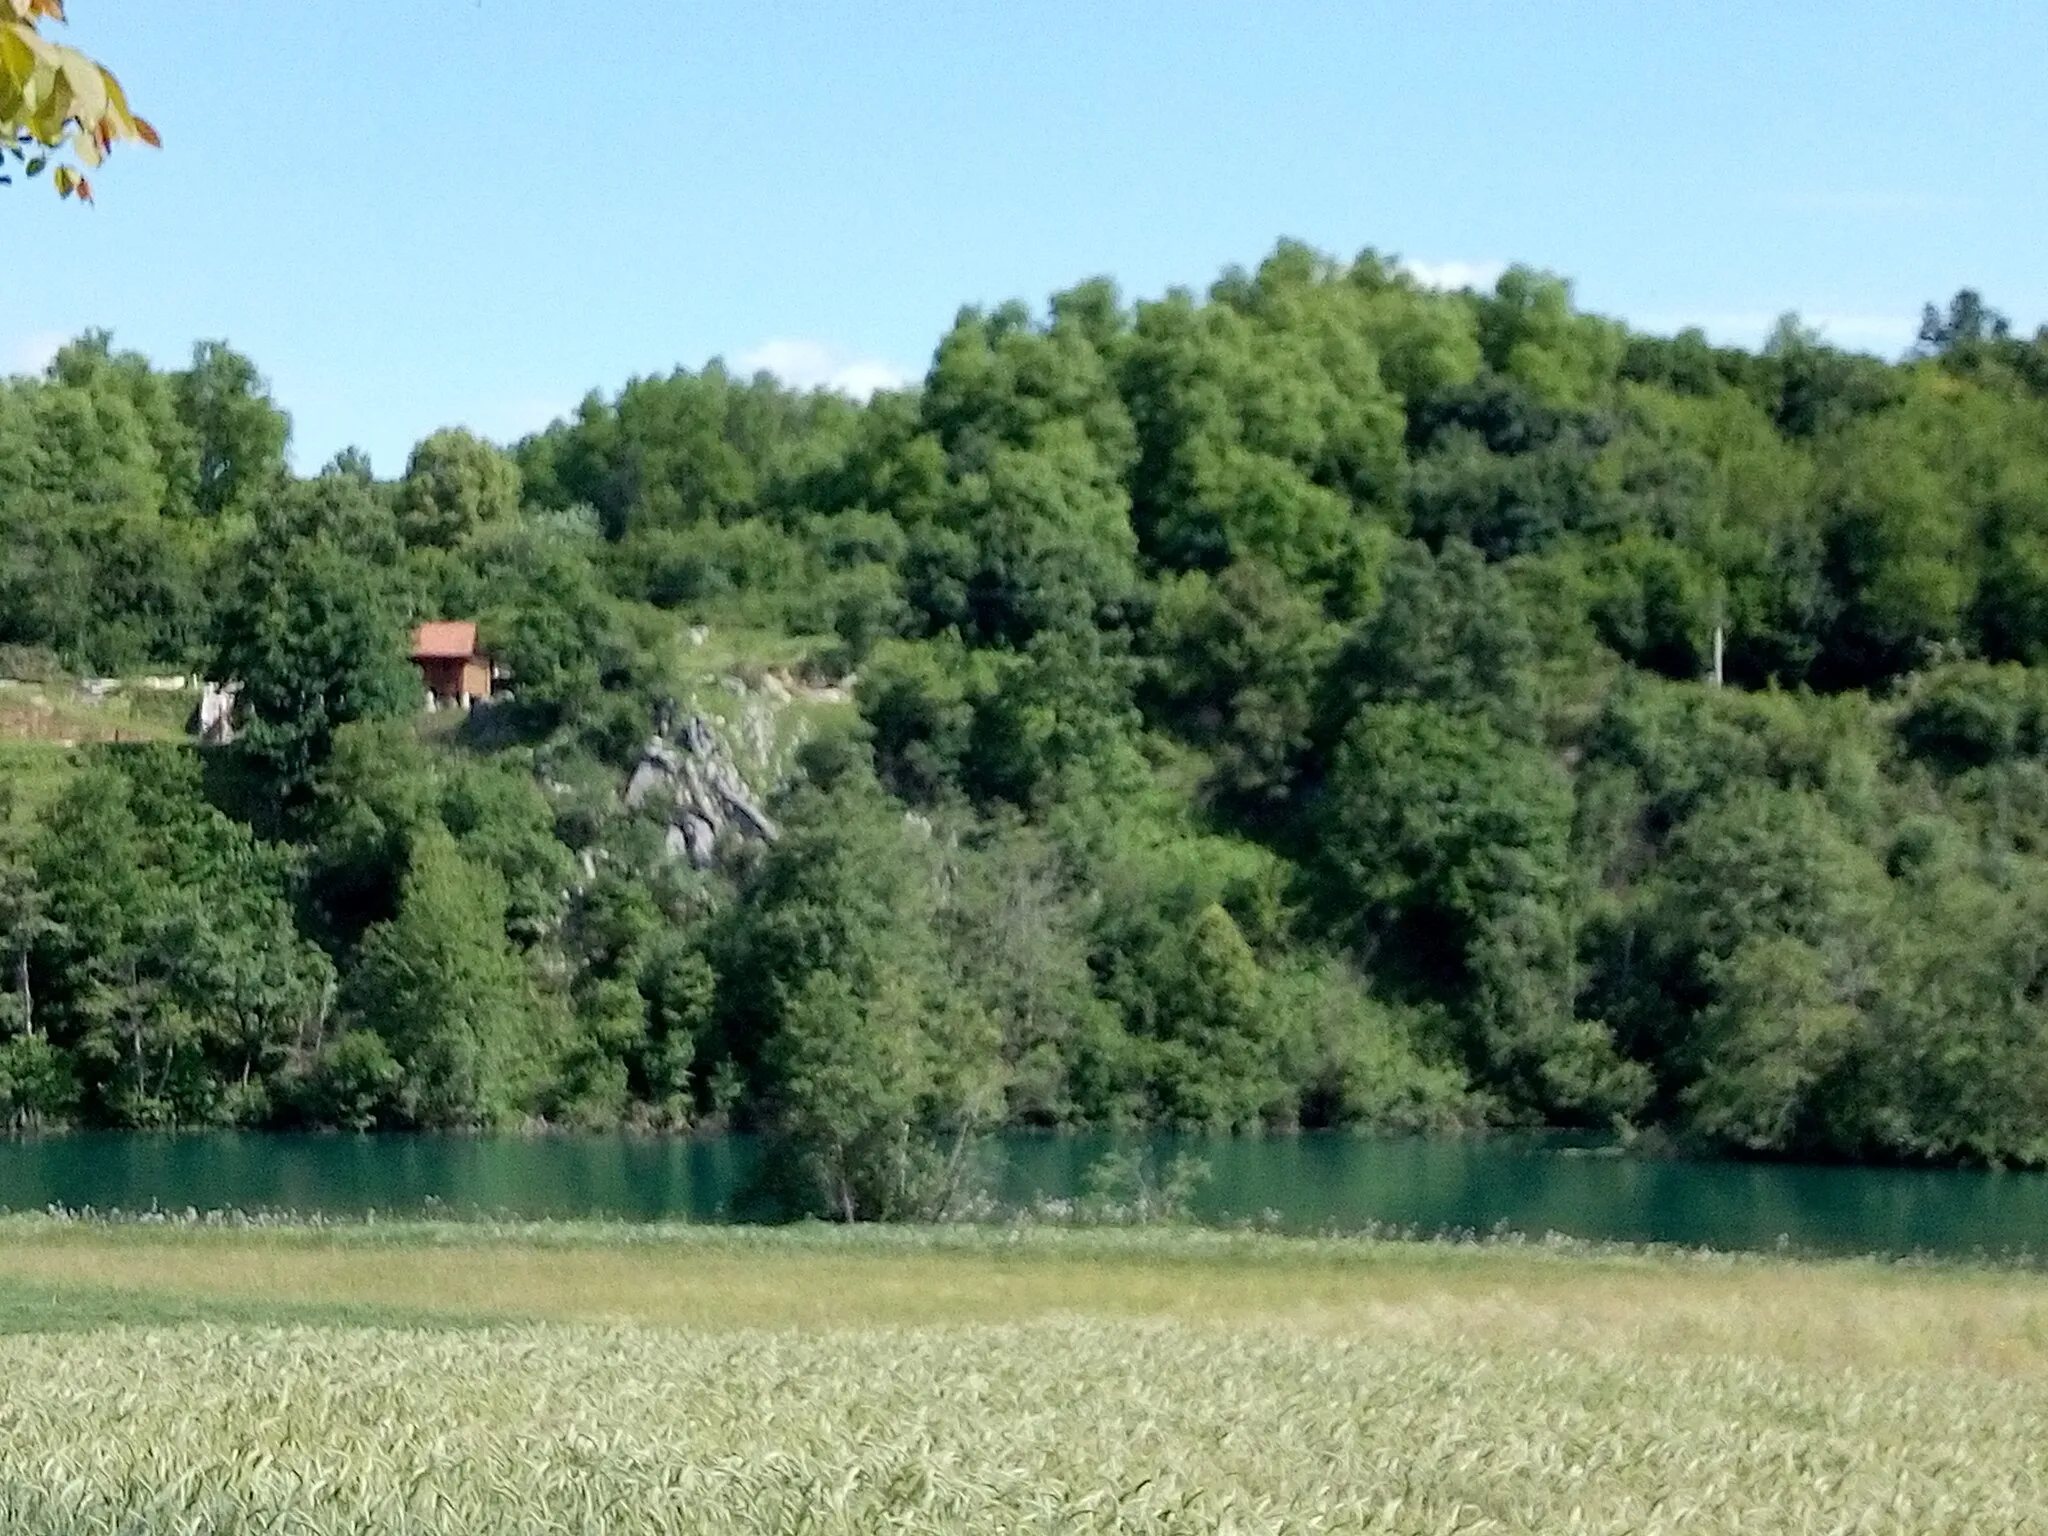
x,y
1453,275
812,365
32,354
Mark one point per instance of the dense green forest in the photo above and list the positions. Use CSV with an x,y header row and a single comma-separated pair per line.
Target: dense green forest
x,y
1292,706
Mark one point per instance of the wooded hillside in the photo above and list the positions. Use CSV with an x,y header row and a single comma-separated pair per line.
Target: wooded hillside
x,y
1289,706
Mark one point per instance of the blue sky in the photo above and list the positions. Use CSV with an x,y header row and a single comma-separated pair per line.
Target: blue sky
x,y
415,213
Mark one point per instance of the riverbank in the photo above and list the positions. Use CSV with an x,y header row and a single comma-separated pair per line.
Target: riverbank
x,y
467,1377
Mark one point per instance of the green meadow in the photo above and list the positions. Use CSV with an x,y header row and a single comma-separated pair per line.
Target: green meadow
x,y
431,1378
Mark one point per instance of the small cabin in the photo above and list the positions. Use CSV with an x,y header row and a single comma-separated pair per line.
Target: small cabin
x,y
455,671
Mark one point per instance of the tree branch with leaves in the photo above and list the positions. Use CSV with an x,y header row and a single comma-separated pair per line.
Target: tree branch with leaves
x,y
59,110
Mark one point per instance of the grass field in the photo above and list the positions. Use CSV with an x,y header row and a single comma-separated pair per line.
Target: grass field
x,y
448,1378
62,713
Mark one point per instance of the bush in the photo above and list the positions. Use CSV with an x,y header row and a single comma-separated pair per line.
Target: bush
x,y
31,664
354,1083
37,1087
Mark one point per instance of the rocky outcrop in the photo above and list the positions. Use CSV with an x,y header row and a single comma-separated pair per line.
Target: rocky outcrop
x,y
215,718
695,785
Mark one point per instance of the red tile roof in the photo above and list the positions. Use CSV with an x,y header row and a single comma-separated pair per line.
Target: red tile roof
x,y
452,639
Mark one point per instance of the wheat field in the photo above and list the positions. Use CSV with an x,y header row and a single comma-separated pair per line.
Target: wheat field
x,y
1061,1382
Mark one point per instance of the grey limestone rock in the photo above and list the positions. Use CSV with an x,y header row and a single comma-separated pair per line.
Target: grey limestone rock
x,y
699,789
216,713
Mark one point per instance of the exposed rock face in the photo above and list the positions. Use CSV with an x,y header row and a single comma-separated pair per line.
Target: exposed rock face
x,y
216,716
696,784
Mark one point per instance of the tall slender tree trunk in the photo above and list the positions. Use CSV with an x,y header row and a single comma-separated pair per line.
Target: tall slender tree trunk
x,y
21,987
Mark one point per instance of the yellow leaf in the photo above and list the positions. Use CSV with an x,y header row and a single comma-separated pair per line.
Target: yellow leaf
x,y
88,87
116,97
42,52
55,102
17,58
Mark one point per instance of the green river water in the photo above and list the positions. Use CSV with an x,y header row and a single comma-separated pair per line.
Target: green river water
x,y
1310,1183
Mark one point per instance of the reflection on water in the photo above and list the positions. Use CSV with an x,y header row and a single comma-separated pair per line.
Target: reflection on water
x,y
1306,1183
1538,1185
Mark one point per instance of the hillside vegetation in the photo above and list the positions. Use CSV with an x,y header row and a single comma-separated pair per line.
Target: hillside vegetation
x,y
1286,706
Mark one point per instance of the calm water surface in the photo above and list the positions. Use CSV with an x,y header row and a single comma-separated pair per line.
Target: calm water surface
x,y
1306,1183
